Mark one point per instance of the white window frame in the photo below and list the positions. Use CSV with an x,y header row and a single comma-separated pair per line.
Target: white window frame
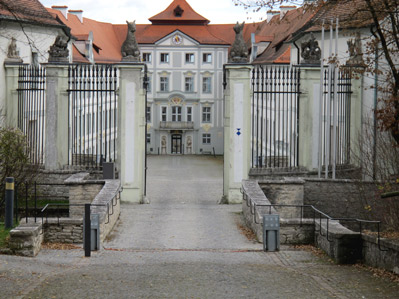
x,y
176,113
190,58
206,138
206,57
164,113
206,115
149,84
189,84
164,58
207,84
147,57
164,84
148,114
189,113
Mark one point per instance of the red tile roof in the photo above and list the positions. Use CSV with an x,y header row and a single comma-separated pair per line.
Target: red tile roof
x,y
188,15
280,30
104,37
351,14
108,38
31,11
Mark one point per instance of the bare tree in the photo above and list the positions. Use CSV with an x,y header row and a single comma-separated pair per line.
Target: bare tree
x,y
382,17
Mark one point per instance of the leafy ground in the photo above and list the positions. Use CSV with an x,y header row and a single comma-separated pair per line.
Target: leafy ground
x,y
4,233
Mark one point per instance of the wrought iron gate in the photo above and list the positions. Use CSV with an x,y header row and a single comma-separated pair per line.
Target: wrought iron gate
x,y
32,108
275,113
92,115
336,147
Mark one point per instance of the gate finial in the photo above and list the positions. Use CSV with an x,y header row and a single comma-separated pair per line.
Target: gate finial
x,y
130,49
239,51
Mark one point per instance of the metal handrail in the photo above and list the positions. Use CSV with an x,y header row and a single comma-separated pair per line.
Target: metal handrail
x,y
107,204
252,204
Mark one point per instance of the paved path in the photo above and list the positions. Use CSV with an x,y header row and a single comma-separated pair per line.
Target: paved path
x,y
184,245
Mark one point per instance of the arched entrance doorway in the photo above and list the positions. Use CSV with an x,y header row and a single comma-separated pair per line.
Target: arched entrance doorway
x,y
176,144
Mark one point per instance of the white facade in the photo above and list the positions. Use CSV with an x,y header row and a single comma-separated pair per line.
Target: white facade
x,y
33,43
185,95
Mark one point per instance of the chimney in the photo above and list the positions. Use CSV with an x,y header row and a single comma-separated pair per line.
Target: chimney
x,y
78,13
285,9
271,13
62,9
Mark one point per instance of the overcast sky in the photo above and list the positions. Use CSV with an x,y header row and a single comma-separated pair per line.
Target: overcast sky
x,y
118,11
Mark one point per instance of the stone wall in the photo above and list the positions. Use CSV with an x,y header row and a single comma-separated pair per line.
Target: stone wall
x,y
373,256
339,198
65,230
339,242
81,191
26,239
47,179
292,231
287,191
107,205
104,195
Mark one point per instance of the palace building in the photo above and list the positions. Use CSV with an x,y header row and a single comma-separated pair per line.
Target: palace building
x,y
185,57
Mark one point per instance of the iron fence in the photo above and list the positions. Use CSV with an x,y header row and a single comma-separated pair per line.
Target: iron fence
x,y
31,109
92,114
336,117
275,111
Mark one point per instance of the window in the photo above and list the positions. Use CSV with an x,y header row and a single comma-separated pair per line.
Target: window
x,y
188,84
147,57
206,114
148,114
176,113
206,57
206,138
149,84
148,138
35,59
189,57
164,113
206,84
164,84
189,114
165,57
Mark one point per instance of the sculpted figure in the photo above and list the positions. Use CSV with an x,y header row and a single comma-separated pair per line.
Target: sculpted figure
x,y
189,145
130,49
163,145
59,50
12,49
355,51
310,51
239,51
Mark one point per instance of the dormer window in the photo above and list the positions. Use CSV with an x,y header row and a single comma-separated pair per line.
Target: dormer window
x,y
178,11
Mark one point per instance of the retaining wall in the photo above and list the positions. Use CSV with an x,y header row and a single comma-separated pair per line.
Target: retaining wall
x,y
292,231
339,242
104,196
65,230
373,256
26,239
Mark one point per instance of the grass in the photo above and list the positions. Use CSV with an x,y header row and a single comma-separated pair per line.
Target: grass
x,y
4,233
41,203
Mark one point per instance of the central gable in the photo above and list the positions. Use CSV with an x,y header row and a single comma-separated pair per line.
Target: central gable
x,y
179,12
177,38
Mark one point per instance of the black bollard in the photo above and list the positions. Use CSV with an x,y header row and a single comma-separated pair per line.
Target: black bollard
x,y
9,221
87,231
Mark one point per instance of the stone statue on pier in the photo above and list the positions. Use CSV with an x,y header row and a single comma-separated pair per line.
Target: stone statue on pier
x,y
59,51
130,49
238,51
310,51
